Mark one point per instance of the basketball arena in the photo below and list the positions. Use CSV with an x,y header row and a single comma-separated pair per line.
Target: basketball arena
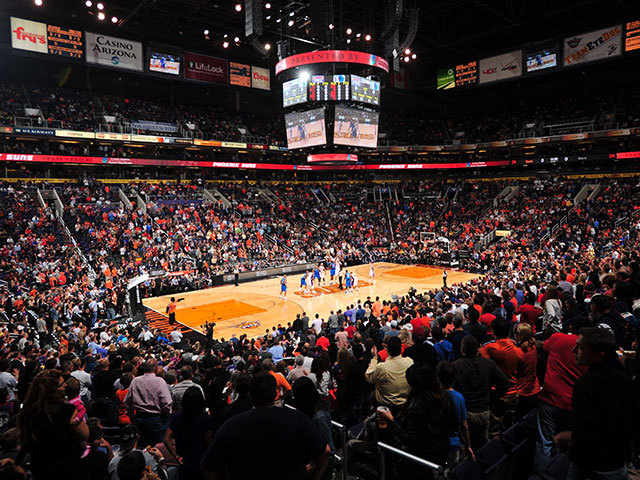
x,y
319,239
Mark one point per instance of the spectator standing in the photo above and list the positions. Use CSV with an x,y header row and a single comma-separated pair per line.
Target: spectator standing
x,y
605,403
475,377
149,404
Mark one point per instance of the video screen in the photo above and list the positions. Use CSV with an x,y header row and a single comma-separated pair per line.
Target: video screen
x,y
294,92
305,129
365,90
327,89
542,59
65,42
358,128
164,63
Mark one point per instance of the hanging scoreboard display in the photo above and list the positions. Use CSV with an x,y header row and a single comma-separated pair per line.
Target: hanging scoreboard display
x,y
328,89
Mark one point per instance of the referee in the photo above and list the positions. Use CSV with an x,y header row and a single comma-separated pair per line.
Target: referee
x,y
171,310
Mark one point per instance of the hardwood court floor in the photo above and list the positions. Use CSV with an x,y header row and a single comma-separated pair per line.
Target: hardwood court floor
x,y
253,307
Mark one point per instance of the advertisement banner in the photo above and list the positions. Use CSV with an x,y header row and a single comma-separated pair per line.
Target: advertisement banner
x,y
445,79
75,134
331,56
206,69
28,35
501,67
591,46
47,132
122,137
19,157
113,52
154,126
260,78
207,143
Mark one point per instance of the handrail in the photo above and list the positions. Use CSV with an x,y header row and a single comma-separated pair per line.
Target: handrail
x,y
382,447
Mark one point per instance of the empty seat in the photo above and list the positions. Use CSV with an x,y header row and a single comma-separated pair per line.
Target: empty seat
x,y
467,470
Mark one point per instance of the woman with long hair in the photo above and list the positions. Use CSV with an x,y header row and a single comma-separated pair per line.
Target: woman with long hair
x,y
191,428
321,377
527,383
50,430
426,422
340,374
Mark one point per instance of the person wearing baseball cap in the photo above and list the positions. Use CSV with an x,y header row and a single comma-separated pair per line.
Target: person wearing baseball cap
x,y
604,316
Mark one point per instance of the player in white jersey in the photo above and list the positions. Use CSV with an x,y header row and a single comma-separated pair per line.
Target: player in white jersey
x,y
354,281
310,288
321,270
372,274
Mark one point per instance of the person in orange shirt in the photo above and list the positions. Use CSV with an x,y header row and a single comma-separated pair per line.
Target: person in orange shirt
x,y
283,387
171,310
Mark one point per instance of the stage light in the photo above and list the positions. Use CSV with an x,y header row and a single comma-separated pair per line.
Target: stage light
x,y
292,14
88,3
414,56
236,39
100,6
407,51
406,59
225,35
304,76
101,16
348,40
358,35
267,5
225,44
267,46
278,20
268,17
349,31
367,37
206,31
114,19
38,3
238,7
291,22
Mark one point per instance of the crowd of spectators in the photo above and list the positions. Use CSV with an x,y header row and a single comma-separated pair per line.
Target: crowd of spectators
x,y
455,367
40,106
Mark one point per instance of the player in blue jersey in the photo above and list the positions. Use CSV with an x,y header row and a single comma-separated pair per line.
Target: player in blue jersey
x,y
347,282
303,282
283,287
332,272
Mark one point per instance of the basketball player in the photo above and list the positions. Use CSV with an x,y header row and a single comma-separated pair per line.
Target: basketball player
x,y
354,281
347,282
444,278
372,274
321,270
332,272
316,276
310,282
303,282
283,287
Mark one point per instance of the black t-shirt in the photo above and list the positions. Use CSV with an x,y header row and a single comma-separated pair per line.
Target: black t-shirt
x,y
254,434
190,434
55,453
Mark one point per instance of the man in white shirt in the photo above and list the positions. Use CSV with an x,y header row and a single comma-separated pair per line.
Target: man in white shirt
x,y
316,324
176,336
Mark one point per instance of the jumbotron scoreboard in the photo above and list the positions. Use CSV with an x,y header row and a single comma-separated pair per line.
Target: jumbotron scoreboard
x,y
332,102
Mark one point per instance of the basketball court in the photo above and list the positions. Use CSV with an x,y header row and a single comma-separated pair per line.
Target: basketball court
x,y
253,307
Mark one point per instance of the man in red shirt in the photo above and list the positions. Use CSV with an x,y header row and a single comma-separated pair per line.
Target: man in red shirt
x,y
506,355
555,411
528,312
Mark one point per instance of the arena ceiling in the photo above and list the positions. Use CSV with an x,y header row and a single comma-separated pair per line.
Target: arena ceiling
x,y
448,29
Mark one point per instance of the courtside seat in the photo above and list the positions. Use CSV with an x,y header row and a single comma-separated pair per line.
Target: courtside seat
x,y
467,470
